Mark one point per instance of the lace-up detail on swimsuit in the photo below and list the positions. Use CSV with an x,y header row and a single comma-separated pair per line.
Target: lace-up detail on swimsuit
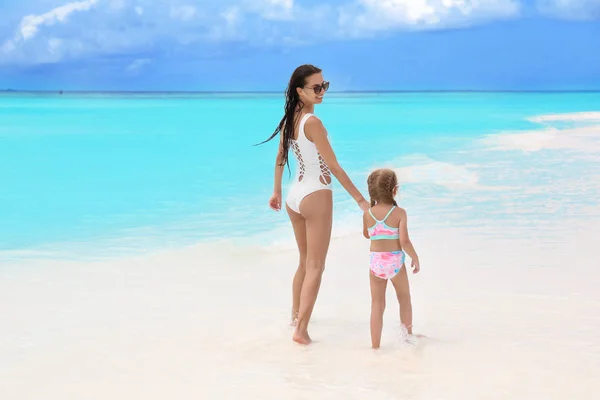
x,y
312,173
325,177
301,169
381,230
315,164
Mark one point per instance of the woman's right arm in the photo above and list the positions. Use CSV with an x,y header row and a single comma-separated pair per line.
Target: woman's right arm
x,y
278,167
275,200
317,133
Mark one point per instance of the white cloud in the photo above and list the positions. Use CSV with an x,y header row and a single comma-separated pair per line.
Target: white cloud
x,y
123,27
30,24
368,16
570,9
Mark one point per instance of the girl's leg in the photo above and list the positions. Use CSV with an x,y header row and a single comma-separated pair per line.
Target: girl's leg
x,y
401,285
378,287
299,225
317,208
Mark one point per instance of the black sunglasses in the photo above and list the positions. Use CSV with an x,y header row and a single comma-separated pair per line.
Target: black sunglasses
x,y
323,86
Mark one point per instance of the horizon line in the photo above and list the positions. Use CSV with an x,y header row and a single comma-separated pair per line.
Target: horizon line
x,y
283,91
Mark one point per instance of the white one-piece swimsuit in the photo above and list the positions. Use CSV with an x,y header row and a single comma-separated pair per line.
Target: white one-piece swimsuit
x,y
312,173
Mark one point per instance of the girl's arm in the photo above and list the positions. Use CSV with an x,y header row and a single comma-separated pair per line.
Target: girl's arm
x,y
317,133
405,242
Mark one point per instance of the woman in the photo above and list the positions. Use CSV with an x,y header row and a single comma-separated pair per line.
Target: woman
x,y
309,202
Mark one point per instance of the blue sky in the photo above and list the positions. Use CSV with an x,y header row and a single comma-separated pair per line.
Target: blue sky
x,y
255,44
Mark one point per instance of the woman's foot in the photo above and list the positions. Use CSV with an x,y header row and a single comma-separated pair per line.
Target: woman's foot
x,y
294,321
301,337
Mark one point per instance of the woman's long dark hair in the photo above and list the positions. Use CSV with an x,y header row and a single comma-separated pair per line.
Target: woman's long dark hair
x,y
292,105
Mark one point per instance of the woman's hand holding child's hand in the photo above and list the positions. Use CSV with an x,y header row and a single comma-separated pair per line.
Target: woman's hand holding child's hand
x,y
364,205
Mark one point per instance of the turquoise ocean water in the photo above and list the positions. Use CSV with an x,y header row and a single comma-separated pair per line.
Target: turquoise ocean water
x,y
131,172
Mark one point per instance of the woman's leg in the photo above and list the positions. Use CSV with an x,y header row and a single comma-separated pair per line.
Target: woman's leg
x,y
378,287
402,287
317,208
299,225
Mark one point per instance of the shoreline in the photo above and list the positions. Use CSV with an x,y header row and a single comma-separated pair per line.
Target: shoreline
x,y
458,179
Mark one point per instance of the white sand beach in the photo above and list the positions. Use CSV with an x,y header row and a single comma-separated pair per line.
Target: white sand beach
x,y
505,317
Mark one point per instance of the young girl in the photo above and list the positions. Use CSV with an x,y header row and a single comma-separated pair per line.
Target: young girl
x,y
386,225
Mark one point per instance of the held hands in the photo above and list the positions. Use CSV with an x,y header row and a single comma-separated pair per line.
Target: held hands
x,y
275,201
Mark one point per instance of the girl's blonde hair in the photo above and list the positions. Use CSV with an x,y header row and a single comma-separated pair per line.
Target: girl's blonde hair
x,y
381,184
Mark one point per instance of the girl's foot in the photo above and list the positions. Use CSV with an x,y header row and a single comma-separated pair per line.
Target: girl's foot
x,y
412,339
